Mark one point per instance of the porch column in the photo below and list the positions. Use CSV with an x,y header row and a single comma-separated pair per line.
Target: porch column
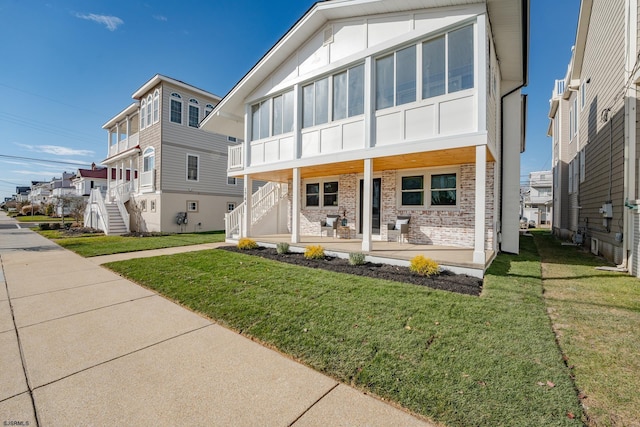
x,y
108,183
367,205
246,219
481,196
295,207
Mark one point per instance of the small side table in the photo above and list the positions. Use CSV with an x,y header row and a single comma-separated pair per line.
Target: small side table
x,y
344,232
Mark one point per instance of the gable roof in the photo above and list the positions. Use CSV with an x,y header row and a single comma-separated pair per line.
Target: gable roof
x,y
509,21
98,173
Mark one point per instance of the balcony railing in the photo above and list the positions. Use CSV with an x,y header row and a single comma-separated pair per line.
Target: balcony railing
x,y
124,145
235,158
147,179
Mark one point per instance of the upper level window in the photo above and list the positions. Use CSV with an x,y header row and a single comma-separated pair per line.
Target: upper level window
x,y
583,94
348,93
283,113
156,106
260,120
447,66
176,108
149,110
148,159
207,109
194,113
192,167
143,113
315,103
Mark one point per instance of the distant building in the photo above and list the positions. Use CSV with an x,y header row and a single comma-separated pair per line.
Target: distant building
x,y
538,198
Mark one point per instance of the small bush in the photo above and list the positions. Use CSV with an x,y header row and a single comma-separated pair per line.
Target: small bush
x,y
45,226
424,266
54,226
246,243
282,248
356,258
314,252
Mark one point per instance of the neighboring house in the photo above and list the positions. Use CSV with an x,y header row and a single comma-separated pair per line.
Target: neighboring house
x,y
88,179
163,167
61,191
381,109
40,192
22,193
599,133
538,198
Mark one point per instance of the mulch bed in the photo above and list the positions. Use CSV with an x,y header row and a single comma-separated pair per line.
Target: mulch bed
x,y
446,280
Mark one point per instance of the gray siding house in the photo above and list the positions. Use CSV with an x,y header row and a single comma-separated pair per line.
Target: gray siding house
x,y
162,167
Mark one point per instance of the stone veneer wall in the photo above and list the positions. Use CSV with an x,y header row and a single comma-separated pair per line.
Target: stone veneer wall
x,y
450,227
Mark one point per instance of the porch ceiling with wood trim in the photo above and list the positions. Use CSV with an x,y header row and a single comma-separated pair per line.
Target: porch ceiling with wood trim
x,y
426,159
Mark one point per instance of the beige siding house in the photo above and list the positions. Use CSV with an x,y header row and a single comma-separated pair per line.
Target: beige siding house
x,y
382,112
164,168
602,146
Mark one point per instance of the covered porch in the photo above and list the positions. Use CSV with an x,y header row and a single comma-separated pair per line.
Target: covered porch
x,y
455,259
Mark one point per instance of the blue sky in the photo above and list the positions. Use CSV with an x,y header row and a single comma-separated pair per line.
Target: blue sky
x,y
68,66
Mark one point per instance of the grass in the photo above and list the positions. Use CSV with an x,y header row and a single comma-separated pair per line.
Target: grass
x,y
456,359
596,315
95,245
43,218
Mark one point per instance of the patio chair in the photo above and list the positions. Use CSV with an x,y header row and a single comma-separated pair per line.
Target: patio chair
x,y
400,229
329,224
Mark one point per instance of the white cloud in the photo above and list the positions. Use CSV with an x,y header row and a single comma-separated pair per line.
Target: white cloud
x,y
111,22
160,18
56,150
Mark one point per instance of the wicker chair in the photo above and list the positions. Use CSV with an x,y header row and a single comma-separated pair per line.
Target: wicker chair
x,y
330,225
400,229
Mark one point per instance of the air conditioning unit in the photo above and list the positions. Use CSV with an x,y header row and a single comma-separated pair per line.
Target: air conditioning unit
x,y
594,246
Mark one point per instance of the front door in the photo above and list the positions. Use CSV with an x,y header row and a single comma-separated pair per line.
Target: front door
x,y
375,201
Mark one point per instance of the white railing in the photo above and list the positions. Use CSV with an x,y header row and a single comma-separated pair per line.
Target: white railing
x,y
123,213
235,158
147,179
123,191
262,202
95,215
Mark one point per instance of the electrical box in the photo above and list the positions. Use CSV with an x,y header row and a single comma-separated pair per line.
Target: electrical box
x,y
607,211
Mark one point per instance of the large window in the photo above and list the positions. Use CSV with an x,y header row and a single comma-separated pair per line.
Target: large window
x,y
156,106
194,113
315,103
283,113
348,93
321,194
176,108
143,114
192,167
447,66
148,159
149,110
442,190
260,120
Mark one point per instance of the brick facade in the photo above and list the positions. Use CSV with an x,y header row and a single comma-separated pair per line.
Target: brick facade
x,y
450,227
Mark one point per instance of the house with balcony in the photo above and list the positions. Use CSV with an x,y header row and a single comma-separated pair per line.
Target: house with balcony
x,y
88,179
165,174
595,121
381,114
538,198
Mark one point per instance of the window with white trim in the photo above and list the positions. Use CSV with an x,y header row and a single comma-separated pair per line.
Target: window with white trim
x,y
231,180
149,110
192,167
231,206
442,191
156,106
194,113
583,94
207,109
176,108
321,194
283,113
148,159
192,206
260,120
582,164
143,114
153,205
315,103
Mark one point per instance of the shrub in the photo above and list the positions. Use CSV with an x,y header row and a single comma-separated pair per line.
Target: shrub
x,y
314,252
282,248
356,258
45,226
246,243
424,266
54,226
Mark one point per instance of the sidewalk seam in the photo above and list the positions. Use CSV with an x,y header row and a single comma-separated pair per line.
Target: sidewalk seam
x,y
314,404
68,289
22,359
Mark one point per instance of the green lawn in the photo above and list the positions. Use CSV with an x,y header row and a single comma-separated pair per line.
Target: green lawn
x,y
460,360
43,218
99,244
597,318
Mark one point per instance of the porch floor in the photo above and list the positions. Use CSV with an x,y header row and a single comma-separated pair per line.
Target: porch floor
x,y
456,259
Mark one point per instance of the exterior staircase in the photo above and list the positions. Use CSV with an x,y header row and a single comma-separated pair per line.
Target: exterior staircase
x,y
116,222
110,217
263,201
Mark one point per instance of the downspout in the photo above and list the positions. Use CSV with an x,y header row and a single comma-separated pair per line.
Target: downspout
x,y
525,78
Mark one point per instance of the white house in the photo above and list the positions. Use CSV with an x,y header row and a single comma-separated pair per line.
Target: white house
x,y
88,179
377,110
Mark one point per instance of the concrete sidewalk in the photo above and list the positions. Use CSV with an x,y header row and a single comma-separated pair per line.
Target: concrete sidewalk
x,y
83,346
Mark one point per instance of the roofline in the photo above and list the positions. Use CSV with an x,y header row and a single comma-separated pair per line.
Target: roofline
x,y
159,78
127,111
581,39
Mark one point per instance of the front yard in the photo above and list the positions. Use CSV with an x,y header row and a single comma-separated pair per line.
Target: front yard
x,y
460,360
